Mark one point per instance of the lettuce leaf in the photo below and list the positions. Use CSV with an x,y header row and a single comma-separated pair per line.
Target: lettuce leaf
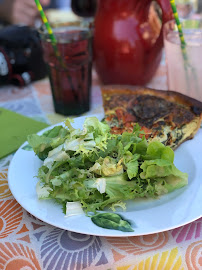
x,y
157,150
168,177
47,141
98,169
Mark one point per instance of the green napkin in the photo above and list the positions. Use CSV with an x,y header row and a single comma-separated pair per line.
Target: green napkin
x,y
14,129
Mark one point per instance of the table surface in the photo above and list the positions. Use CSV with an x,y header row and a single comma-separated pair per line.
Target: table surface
x,y
28,243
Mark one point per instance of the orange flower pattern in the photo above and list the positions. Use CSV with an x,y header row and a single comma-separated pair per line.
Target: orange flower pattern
x,y
17,256
140,244
4,189
194,256
10,217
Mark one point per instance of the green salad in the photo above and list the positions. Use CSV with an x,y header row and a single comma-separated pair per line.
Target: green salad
x,y
90,168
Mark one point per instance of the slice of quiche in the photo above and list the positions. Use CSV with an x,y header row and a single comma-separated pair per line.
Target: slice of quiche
x,y
166,116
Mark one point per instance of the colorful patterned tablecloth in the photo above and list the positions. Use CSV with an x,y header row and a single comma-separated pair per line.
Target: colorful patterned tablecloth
x,y
28,243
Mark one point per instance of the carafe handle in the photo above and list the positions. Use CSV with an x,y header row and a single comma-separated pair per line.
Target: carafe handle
x,y
167,13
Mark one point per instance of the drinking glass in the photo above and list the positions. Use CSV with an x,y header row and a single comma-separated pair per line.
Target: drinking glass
x,y
184,70
69,64
186,8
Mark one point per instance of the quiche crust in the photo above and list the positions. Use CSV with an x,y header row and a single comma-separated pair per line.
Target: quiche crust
x,y
167,116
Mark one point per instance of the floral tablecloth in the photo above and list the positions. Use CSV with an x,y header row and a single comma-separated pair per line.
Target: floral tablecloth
x,y
28,243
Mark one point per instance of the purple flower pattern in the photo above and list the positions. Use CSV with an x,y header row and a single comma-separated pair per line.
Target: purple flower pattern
x,y
67,250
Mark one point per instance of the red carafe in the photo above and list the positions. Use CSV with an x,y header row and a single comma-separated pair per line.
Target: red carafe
x,y
128,40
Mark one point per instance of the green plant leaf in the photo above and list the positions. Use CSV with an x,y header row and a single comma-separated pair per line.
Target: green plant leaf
x,y
111,221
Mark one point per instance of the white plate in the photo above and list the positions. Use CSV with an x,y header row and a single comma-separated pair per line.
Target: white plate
x,y
147,216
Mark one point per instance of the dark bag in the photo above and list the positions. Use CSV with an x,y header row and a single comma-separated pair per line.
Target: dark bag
x,y
21,56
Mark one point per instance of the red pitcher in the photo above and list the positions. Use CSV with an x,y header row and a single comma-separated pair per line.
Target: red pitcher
x,y
128,41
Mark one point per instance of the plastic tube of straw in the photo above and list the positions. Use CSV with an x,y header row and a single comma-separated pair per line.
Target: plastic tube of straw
x,y
54,42
45,21
179,26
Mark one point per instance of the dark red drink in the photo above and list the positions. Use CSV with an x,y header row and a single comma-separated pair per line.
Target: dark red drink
x,y
70,69
84,8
